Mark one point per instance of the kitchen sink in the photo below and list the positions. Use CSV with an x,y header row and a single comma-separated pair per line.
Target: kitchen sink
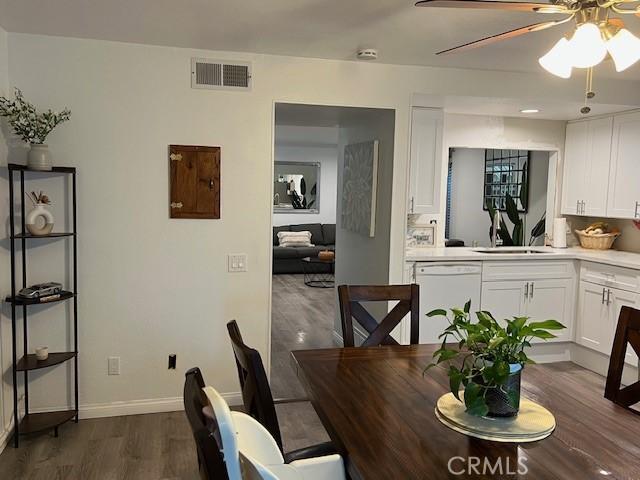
x,y
513,251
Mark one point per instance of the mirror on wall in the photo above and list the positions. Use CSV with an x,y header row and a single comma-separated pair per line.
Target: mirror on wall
x,y
296,187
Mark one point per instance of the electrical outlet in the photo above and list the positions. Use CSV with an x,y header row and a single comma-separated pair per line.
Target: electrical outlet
x,y
113,365
172,361
237,262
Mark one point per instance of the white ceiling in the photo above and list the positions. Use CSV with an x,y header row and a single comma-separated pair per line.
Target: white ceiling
x,y
335,29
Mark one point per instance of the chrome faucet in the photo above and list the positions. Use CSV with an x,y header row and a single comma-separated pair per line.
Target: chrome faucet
x,y
494,230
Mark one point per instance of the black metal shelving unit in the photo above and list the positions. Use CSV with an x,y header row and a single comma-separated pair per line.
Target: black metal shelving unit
x,y
42,421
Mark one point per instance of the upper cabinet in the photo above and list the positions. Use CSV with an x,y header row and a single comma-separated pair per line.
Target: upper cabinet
x,y
426,160
586,168
624,175
601,167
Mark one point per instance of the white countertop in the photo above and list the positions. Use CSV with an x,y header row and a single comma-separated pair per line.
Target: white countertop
x,y
465,254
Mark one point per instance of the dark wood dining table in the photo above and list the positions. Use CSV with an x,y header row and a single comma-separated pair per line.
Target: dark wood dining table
x,y
378,409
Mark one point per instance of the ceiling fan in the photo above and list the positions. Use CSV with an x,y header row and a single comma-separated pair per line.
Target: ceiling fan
x,y
597,33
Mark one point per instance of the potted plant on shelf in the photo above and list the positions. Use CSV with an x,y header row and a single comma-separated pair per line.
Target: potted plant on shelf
x,y
32,127
487,358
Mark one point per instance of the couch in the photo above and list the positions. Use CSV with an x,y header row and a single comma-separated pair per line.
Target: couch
x,y
288,259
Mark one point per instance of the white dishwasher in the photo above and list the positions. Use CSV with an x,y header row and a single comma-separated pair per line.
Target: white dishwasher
x,y
445,285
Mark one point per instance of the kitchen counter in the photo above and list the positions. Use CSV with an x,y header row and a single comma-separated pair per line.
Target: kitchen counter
x,y
466,254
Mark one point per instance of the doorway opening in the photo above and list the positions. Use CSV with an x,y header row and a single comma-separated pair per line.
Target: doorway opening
x,y
331,194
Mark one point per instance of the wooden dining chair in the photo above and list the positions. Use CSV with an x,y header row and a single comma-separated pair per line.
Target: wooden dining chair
x,y
351,296
204,428
627,332
258,399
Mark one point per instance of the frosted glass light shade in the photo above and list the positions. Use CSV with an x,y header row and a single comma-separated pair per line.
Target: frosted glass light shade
x,y
624,48
587,46
558,60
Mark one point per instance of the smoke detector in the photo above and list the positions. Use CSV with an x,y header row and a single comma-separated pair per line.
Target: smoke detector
x,y
368,54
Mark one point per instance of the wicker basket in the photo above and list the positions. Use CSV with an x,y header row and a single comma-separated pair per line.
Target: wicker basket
x,y
602,241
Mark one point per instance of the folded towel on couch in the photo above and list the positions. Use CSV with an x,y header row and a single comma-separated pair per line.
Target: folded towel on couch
x,y
295,239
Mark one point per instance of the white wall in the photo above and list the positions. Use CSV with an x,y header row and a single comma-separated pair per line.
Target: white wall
x,y
469,221
6,400
150,286
362,259
310,144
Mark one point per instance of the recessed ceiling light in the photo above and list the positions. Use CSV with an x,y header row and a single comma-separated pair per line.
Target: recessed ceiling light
x,y
530,110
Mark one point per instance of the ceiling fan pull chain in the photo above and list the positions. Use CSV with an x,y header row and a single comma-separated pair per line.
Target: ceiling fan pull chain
x,y
589,93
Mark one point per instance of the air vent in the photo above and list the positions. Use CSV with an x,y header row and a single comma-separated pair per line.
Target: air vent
x,y
215,74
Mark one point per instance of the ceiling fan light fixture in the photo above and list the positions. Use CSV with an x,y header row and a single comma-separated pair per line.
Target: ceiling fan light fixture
x,y
624,48
588,48
558,60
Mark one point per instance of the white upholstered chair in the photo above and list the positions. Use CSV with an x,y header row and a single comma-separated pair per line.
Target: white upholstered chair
x,y
251,453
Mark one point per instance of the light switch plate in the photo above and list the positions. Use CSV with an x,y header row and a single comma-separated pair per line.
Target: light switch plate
x,y
237,262
113,365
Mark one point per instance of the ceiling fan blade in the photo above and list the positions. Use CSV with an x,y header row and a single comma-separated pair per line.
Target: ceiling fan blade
x,y
495,5
501,36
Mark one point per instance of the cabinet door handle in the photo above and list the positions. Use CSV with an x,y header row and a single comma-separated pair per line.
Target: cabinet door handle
x,y
636,214
526,290
577,206
531,291
411,208
604,290
584,207
608,297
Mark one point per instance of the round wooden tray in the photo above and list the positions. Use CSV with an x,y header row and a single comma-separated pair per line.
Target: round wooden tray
x,y
533,423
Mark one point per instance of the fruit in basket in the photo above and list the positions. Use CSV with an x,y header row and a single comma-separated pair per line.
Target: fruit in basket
x,y
599,228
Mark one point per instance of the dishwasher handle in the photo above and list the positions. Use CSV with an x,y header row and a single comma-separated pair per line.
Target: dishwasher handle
x,y
435,270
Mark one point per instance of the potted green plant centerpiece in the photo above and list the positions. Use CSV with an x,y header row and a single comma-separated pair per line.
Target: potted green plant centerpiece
x,y
486,358
33,127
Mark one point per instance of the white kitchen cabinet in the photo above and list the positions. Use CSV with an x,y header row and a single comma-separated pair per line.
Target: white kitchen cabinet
x,y
542,290
593,326
624,187
540,299
575,166
504,299
586,167
617,300
598,312
426,160
552,300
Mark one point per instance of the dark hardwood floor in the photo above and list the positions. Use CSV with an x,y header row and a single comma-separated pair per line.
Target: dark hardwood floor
x,y
160,446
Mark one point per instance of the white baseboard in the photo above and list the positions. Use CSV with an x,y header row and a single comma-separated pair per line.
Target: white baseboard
x,y
5,435
136,407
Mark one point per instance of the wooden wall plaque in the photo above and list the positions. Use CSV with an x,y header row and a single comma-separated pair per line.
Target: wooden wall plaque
x,y
194,181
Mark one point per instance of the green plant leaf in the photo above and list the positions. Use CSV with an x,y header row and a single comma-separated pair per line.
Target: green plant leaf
x,y
455,379
547,325
542,334
467,306
447,355
524,188
512,210
439,312
474,401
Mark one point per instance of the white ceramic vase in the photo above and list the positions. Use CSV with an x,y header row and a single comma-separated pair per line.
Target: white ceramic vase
x,y
39,158
37,227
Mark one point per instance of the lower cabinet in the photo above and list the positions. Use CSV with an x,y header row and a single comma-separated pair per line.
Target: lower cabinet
x,y
598,311
538,299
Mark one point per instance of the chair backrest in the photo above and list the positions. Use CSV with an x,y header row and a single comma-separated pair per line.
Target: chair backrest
x,y
350,296
242,435
256,393
210,458
627,332
226,431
